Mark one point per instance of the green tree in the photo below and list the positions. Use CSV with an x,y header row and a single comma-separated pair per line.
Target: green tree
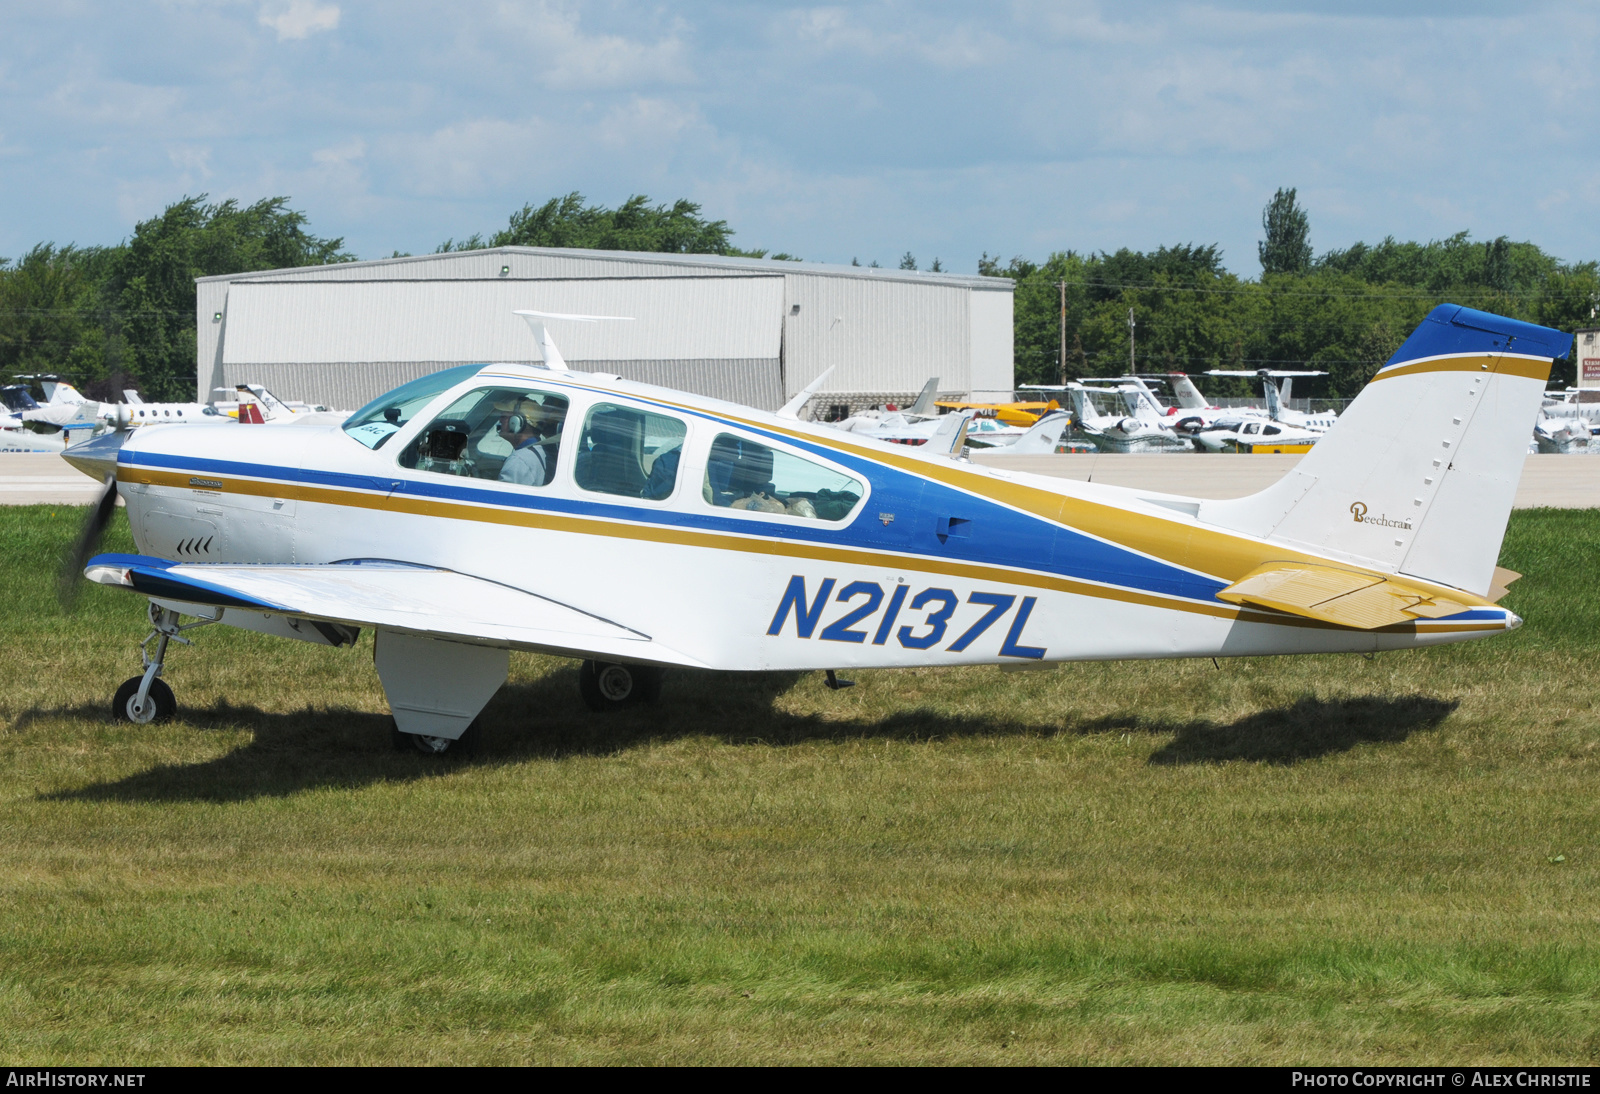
x,y
151,288
49,322
635,225
1287,248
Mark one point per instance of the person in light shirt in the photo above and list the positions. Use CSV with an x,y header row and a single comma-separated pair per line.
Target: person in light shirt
x,y
524,423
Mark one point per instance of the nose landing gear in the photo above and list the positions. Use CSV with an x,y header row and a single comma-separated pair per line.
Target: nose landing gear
x,y
147,698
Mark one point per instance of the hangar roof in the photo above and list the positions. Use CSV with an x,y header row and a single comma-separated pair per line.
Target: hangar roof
x,y
573,261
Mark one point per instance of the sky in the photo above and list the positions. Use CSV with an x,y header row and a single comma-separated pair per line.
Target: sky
x,y
832,132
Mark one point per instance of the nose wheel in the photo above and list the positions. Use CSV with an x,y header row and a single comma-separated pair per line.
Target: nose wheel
x,y
605,686
146,698
158,704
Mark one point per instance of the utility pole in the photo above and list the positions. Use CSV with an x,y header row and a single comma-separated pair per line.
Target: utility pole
x,y
1062,285
1131,369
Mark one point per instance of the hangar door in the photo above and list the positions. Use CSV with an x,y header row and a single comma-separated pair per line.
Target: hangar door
x,y
342,343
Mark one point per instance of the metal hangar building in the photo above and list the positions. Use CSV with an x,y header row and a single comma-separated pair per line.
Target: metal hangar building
x,y
754,331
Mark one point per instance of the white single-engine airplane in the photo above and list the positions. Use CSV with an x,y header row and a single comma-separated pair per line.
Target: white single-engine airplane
x,y
490,508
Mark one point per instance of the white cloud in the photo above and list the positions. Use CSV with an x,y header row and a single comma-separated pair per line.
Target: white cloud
x,y
299,18
560,54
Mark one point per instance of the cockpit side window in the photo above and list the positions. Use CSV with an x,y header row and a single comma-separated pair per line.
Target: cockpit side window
x,y
744,475
512,434
628,452
382,418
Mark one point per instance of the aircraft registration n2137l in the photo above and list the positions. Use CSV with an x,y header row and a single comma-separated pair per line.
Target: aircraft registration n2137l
x,y
485,509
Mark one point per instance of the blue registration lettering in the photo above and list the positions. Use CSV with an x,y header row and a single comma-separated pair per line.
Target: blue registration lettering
x,y
896,598
1010,648
805,619
839,630
998,604
936,622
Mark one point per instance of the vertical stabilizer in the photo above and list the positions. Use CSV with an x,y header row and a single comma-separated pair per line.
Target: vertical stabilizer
x,y
1189,397
1418,475
923,407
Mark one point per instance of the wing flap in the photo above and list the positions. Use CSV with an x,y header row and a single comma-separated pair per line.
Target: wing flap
x,y
1347,598
388,595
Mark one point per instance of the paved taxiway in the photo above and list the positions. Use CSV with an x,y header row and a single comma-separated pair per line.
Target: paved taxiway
x,y
1562,482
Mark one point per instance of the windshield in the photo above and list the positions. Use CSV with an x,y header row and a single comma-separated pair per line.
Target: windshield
x,y
382,418
17,398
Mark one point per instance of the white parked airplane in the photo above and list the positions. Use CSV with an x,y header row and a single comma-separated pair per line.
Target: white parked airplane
x,y
68,408
914,425
1253,435
1278,398
1131,432
15,436
652,529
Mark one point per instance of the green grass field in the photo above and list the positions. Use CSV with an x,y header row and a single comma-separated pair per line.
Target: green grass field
x,y
1316,860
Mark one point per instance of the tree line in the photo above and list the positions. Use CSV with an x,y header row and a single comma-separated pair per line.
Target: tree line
x,y
114,317
1345,311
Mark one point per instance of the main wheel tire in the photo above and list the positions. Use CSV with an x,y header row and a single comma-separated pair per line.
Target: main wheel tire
x,y
464,745
608,686
159,705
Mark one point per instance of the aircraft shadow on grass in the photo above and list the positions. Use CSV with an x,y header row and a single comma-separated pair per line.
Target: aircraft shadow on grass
x,y
309,749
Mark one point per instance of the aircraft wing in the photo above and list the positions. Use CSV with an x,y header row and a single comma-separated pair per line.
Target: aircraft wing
x,y
1346,597
398,596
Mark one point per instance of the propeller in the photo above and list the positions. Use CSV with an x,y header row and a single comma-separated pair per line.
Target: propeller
x,y
88,539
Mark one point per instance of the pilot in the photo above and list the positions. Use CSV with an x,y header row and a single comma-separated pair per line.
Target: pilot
x,y
524,423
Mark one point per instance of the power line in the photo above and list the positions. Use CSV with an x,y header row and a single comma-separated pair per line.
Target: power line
x,y
1255,289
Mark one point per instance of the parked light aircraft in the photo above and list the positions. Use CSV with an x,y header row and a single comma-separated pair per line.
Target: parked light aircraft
x,y
1021,414
1254,434
913,425
1278,398
1132,432
652,529
15,436
1564,436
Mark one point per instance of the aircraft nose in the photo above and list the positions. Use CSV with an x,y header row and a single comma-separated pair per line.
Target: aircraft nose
x,y
96,457
1513,621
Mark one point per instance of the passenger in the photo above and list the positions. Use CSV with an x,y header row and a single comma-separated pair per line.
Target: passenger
x,y
663,475
524,423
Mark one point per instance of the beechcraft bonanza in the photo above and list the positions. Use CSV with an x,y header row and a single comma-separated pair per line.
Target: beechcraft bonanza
x,y
498,507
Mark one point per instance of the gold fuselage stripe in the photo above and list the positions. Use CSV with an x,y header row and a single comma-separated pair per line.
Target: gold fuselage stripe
x,y
559,522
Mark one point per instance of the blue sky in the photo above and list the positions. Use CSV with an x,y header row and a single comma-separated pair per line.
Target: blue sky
x,y
835,131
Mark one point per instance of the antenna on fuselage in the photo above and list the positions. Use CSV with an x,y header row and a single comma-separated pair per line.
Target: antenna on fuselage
x,y
547,345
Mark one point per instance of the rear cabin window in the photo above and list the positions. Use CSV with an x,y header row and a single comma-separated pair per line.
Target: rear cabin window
x,y
628,452
746,476
510,434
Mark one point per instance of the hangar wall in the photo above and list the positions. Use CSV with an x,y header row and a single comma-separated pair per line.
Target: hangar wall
x,y
749,330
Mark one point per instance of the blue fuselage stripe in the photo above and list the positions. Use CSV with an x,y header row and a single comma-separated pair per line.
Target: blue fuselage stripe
x,y
1000,536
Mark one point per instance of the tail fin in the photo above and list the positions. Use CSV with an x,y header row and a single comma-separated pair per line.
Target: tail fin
x,y
1419,474
1273,395
924,407
1042,437
1082,408
951,436
1189,397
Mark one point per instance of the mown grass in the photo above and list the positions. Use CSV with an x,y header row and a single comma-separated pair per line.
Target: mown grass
x,y
1307,860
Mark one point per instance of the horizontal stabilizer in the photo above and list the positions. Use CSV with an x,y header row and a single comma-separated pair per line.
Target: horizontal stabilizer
x,y
395,596
1344,597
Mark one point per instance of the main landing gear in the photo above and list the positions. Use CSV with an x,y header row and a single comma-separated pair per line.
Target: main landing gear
x,y
606,686
464,745
147,698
